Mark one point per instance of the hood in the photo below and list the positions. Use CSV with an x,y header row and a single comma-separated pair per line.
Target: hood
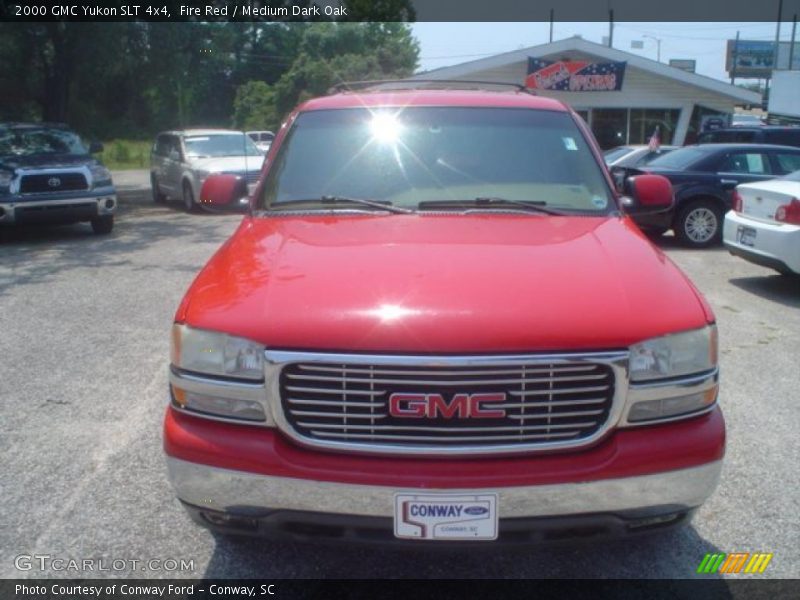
x,y
441,283
229,164
46,161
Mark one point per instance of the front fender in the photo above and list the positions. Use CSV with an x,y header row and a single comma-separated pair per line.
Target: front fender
x,y
190,176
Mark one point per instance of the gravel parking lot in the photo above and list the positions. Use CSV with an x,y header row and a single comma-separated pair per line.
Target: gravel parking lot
x,y
84,324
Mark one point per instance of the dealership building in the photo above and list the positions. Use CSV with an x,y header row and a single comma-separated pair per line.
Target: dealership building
x,y
622,96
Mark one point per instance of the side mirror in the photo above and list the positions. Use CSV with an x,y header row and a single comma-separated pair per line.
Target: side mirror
x,y
647,193
225,193
95,148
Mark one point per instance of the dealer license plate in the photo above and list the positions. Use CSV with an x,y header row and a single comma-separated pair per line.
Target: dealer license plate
x,y
746,236
445,516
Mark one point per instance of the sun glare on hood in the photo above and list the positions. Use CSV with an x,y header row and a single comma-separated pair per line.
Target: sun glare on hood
x,y
388,313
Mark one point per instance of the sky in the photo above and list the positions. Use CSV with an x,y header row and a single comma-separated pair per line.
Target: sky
x,y
444,44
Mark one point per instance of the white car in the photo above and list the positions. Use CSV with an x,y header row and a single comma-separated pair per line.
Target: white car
x,y
182,160
635,155
764,225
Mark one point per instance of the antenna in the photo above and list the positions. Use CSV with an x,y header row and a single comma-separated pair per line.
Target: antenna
x,y
246,172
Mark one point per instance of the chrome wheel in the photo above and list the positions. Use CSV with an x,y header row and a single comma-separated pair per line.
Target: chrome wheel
x,y
700,225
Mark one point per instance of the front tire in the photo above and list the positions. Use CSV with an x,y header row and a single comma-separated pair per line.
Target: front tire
x,y
699,224
158,196
103,225
188,198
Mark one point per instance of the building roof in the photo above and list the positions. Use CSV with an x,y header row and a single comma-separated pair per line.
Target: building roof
x,y
438,97
575,44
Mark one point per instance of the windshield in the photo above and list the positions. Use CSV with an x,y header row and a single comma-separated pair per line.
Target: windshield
x,y
749,119
679,159
655,155
429,154
793,176
615,153
29,142
226,144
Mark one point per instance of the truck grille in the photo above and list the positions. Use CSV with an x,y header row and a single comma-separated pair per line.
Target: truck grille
x,y
532,404
52,183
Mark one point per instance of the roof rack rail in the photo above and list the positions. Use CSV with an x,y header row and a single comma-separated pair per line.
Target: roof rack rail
x,y
466,84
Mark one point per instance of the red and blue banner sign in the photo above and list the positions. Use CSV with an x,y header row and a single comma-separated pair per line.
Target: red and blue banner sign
x,y
574,75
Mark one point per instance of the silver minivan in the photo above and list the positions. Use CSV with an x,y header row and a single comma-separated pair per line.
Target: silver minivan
x,y
181,160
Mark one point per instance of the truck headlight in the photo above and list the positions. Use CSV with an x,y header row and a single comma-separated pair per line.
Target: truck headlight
x,y
672,407
673,377
214,353
674,355
218,406
101,177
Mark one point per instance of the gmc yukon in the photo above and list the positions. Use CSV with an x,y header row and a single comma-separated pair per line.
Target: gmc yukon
x,y
437,322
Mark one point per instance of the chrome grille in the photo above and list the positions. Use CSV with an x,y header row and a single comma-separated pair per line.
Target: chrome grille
x,y
561,402
52,183
250,176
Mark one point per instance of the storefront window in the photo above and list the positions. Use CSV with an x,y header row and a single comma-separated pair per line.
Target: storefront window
x,y
610,126
645,120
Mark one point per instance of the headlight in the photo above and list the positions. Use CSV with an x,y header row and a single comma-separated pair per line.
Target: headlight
x,y
100,175
674,355
218,406
672,407
673,377
214,353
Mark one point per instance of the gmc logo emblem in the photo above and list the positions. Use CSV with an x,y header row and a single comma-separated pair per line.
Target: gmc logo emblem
x,y
430,406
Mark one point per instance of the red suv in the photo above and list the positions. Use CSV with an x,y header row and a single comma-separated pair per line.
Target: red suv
x,y
438,323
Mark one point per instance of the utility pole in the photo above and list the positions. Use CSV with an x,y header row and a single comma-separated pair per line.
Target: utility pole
x,y
791,44
551,25
611,28
735,58
777,35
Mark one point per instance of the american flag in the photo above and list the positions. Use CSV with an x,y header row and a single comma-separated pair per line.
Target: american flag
x,y
655,140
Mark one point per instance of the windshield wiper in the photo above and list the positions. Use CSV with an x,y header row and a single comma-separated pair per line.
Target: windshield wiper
x,y
530,205
383,205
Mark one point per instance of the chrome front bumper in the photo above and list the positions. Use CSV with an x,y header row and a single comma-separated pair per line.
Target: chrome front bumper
x,y
224,490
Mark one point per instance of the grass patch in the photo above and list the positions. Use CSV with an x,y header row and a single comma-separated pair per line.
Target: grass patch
x,y
119,155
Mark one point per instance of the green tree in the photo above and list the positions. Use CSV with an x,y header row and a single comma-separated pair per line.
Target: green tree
x,y
254,106
131,79
333,53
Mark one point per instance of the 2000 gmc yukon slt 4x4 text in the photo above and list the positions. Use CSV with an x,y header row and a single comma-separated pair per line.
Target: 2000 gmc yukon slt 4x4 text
x,y
437,322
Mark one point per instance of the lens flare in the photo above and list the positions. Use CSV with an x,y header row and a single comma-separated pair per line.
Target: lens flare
x,y
385,128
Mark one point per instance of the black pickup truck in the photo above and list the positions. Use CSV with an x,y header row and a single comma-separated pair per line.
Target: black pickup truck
x,y
703,178
48,175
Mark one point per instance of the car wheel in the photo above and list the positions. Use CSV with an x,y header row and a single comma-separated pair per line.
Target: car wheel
x,y
103,225
699,224
188,197
158,196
